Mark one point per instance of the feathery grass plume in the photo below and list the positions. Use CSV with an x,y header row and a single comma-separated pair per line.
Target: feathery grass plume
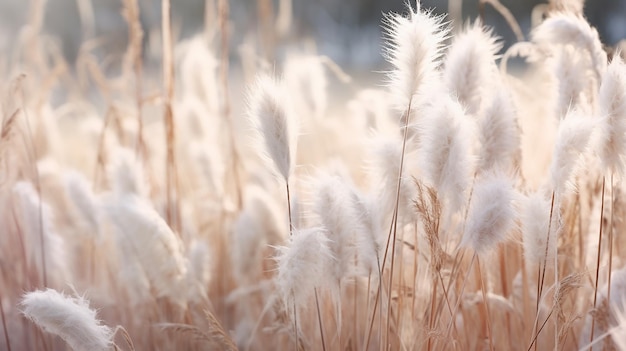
x,y
491,214
470,66
499,133
572,78
333,205
305,76
414,48
604,313
198,72
84,201
571,143
269,115
303,265
612,131
68,317
570,29
36,219
370,235
383,168
199,270
210,166
144,237
573,6
126,175
535,219
445,159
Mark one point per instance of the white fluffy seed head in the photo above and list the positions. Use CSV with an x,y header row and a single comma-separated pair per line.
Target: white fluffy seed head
x,y
383,168
565,28
612,131
571,143
305,76
535,219
370,235
470,66
491,214
70,318
446,163
144,238
333,205
36,222
499,134
84,202
571,71
303,265
126,174
275,128
414,48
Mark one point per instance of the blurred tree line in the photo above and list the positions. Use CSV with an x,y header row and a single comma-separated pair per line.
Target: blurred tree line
x,y
349,31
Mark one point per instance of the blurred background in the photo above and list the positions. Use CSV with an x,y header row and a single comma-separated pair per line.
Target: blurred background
x,y
348,31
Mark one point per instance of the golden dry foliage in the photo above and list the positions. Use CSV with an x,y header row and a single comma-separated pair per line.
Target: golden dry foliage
x,y
149,197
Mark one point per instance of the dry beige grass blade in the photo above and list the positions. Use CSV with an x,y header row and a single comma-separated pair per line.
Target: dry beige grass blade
x,y
171,170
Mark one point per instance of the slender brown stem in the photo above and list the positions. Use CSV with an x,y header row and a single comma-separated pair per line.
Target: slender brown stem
x,y
4,326
369,331
295,323
460,297
33,155
545,257
595,292
223,10
319,319
289,207
486,303
610,241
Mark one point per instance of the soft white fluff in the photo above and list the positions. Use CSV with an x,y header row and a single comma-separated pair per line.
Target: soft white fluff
x,y
126,174
370,235
608,309
305,76
470,66
535,219
498,133
571,143
414,48
572,80
612,131
383,168
144,238
333,205
445,158
36,222
303,265
68,317
491,214
275,128
85,203
569,29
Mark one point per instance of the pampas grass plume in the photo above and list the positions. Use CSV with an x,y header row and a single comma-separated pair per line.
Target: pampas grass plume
x,y
499,133
567,28
275,129
535,219
470,66
145,237
68,317
445,145
303,265
572,139
612,147
414,48
491,214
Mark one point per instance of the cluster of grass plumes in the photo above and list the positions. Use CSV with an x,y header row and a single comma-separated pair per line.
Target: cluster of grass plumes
x,y
460,208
